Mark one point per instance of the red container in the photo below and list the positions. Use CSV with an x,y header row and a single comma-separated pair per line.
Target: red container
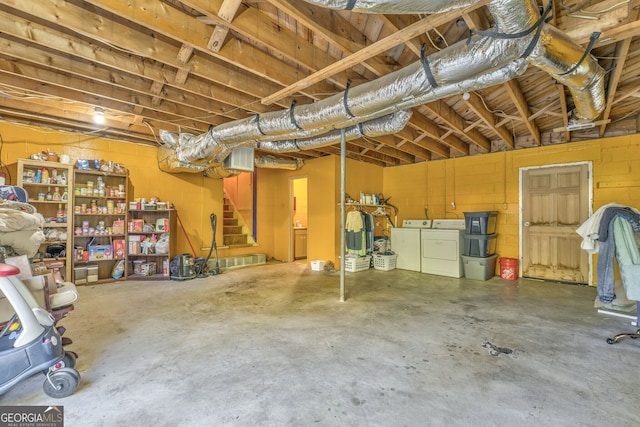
x,y
509,268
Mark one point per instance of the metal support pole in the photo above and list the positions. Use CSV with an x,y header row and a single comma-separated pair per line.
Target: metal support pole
x,y
343,196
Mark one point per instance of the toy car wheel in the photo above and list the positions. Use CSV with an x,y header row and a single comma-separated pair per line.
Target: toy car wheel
x,y
61,383
69,359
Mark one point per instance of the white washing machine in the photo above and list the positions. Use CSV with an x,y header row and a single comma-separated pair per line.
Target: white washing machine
x,y
406,242
442,247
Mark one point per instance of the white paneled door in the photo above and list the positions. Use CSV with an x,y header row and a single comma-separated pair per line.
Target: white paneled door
x,y
555,200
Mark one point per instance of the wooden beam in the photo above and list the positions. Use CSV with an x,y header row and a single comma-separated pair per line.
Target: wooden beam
x,y
331,27
513,89
226,12
448,115
614,35
95,93
477,105
161,19
374,49
565,112
142,45
622,50
432,130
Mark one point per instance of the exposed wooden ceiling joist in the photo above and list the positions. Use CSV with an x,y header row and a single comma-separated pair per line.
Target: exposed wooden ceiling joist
x,y
187,65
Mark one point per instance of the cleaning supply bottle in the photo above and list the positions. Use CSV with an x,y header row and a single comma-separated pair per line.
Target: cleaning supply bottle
x,y
45,176
56,194
61,215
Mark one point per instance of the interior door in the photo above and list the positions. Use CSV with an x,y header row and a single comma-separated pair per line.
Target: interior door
x,y
554,202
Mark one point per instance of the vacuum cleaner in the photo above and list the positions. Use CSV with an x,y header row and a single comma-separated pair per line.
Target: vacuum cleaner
x,y
185,266
201,265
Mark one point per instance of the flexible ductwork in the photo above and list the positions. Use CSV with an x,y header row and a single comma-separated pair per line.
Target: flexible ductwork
x,y
485,59
270,162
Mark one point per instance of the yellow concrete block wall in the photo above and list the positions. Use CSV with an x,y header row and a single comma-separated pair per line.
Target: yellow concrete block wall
x,y
275,215
491,182
194,196
473,183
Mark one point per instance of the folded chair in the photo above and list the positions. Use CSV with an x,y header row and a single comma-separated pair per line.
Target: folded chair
x,y
628,257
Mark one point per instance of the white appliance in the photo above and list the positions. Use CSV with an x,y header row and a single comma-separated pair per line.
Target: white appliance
x,y
442,247
406,243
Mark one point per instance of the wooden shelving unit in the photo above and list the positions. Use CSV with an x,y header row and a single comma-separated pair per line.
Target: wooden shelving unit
x,y
99,202
151,223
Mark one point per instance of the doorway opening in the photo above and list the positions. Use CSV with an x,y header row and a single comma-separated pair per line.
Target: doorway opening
x,y
298,189
240,213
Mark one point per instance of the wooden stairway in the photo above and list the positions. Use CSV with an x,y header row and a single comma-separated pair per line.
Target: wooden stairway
x,y
234,234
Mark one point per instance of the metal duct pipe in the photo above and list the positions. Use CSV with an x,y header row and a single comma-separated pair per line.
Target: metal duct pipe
x,y
394,6
377,127
554,53
384,125
557,54
271,162
482,61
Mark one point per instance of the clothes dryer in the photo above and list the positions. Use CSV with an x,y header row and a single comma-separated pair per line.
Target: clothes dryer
x,y
442,248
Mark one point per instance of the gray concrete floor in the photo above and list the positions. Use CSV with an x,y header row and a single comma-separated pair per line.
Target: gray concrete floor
x,y
273,346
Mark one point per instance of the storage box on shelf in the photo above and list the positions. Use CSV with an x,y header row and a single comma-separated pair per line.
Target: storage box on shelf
x,y
48,186
99,218
151,242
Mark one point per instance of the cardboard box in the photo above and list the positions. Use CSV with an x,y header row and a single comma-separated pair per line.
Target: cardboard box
x,y
118,226
136,225
134,244
100,252
144,268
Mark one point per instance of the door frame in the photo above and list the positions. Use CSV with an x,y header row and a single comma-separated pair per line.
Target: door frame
x,y
291,255
521,171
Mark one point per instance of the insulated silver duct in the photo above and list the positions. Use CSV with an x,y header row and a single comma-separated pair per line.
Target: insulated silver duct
x,y
486,59
554,52
394,6
270,162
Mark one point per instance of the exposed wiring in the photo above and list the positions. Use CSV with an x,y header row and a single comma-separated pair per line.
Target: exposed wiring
x,y
431,40
441,37
152,132
587,14
208,116
608,9
2,165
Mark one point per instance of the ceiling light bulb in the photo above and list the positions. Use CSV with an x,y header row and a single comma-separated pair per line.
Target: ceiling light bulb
x,y
98,115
